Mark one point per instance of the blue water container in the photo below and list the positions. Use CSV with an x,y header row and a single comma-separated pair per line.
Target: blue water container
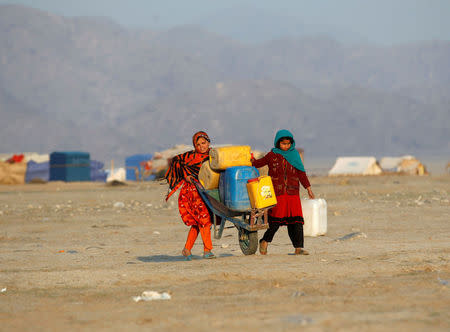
x,y
70,166
233,187
134,167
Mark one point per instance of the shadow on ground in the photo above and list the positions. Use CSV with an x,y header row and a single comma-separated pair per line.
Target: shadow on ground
x,y
168,258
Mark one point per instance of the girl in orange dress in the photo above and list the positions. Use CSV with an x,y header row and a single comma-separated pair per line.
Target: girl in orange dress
x,y
183,171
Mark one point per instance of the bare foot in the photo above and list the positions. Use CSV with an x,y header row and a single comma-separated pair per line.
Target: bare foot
x,y
185,252
263,247
301,251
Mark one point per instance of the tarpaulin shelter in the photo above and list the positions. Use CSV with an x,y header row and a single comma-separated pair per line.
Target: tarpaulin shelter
x,y
405,164
12,173
355,166
37,171
41,171
412,166
138,167
116,175
28,156
97,171
390,164
70,166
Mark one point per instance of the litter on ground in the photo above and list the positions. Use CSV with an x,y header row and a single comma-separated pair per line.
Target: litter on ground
x,y
152,295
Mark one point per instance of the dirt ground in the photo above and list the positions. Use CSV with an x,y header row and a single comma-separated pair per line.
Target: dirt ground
x,y
73,256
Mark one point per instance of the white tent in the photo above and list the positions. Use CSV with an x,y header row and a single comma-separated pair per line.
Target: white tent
x,y
116,175
36,157
404,164
355,166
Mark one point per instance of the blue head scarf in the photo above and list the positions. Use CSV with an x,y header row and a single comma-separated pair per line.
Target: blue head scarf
x,y
291,155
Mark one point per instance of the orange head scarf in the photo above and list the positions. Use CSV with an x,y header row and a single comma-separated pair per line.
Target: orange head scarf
x,y
199,134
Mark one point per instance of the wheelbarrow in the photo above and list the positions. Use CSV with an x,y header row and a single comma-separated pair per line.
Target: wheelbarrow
x,y
248,222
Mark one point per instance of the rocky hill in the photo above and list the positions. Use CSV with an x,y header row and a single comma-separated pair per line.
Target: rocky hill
x,y
90,84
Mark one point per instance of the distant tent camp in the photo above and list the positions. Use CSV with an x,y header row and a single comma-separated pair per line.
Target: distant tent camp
x,y
355,166
28,156
405,164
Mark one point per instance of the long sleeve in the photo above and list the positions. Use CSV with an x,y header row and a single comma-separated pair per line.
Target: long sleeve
x,y
261,162
304,179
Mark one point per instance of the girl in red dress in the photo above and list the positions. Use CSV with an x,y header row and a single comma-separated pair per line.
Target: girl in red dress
x,y
287,171
183,170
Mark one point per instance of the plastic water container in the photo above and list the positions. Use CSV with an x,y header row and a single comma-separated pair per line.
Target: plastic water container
x,y
261,192
233,187
207,177
229,156
214,193
315,217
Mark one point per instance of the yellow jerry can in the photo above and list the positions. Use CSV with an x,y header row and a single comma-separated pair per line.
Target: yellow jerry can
x,y
207,177
261,192
229,156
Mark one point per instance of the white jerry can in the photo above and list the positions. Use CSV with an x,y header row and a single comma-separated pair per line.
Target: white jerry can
x,y
315,217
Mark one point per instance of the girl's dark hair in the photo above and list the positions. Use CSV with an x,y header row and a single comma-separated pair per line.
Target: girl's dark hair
x,y
282,139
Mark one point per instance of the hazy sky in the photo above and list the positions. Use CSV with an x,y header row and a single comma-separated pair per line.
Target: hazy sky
x,y
383,21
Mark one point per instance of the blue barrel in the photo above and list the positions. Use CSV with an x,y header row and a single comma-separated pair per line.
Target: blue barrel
x,y
233,187
134,167
70,166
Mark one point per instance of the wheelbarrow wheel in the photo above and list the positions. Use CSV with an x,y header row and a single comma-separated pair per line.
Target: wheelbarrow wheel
x,y
248,241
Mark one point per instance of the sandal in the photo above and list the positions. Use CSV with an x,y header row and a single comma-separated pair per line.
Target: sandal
x,y
263,250
301,251
208,255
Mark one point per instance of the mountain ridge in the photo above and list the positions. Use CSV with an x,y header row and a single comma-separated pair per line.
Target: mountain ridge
x,y
89,84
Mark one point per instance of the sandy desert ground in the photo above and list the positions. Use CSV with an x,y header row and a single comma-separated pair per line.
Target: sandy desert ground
x,y
73,255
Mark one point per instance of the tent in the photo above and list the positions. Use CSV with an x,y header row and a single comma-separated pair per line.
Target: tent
x,y
355,166
97,172
70,166
12,173
138,167
412,166
390,164
41,171
28,156
405,164
37,171
116,175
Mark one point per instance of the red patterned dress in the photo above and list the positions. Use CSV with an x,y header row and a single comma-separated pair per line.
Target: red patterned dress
x,y
192,209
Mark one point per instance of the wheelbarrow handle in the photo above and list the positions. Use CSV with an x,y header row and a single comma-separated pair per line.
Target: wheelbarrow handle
x,y
198,184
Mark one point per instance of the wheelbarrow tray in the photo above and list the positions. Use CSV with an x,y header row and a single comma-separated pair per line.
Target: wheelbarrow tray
x,y
251,220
